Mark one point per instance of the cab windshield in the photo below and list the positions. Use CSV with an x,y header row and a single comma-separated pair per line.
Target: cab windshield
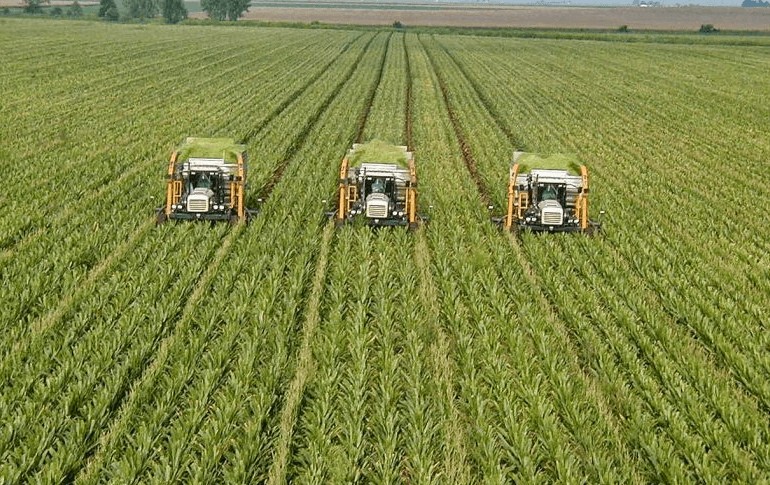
x,y
550,192
380,186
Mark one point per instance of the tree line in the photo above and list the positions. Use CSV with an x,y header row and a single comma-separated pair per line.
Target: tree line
x,y
173,11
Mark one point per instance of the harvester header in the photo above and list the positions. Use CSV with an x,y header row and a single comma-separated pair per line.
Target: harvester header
x,y
378,184
206,180
547,193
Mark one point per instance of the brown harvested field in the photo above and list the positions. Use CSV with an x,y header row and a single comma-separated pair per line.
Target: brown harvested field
x,y
670,18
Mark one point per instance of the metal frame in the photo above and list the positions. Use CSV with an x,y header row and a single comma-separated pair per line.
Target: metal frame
x,y
348,193
519,199
237,212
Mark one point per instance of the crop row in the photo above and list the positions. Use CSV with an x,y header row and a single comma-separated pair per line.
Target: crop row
x,y
110,396
664,338
288,350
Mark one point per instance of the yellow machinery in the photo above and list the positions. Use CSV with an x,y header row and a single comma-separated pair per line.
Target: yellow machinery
x,y
206,181
378,185
547,194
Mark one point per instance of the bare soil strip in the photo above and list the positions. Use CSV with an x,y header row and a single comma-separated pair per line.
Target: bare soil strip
x,y
408,104
299,139
470,162
296,94
370,99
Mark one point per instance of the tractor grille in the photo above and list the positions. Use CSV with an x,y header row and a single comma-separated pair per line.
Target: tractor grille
x,y
552,217
195,204
377,210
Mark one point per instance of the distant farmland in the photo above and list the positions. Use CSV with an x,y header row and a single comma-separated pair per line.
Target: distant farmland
x,y
689,18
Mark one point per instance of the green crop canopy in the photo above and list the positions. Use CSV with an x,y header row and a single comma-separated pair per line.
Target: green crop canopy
x,y
219,148
554,161
378,151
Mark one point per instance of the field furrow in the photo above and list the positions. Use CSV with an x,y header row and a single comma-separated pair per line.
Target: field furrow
x,y
293,350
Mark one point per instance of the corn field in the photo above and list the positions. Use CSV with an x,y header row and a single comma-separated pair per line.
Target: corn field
x,y
290,351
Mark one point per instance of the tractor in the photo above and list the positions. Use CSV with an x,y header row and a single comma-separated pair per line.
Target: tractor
x,y
206,181
547,194
378,185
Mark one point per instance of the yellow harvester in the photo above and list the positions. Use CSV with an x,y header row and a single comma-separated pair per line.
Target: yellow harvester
x,y
206,181
547,194
378,185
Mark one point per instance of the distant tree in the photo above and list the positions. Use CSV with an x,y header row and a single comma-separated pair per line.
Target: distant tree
x,y
75,10
398,25
142,9
112,14
108,10
225,9
56,12
6,11
755,3
707,29
173,11
34,6
623,28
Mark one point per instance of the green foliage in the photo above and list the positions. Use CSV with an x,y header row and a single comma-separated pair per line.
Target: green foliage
x,y
108,10
707,29
56,11
225,9
290,351
755,3
75,10
562,161
378,151
221,148
174,11
141,9
34,6
398,25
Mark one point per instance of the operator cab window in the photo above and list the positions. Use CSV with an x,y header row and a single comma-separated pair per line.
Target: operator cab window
x,y
550,192
379,185
203,180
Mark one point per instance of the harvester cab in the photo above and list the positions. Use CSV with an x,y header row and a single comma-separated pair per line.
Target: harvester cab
x,y
547,194
378,184
206,182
